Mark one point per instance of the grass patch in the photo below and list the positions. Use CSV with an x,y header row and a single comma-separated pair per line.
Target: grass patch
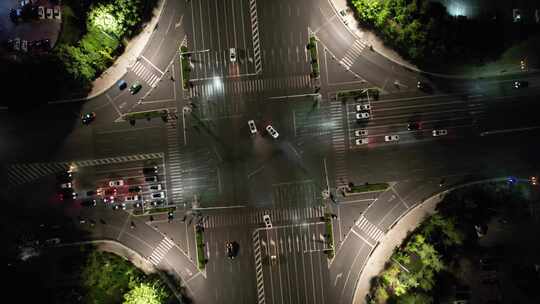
x,y
329,236
201,260
71,28
186,69
146,115
312,47
369,187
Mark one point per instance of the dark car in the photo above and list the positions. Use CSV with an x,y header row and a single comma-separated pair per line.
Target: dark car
x,y
413,126
64,177
232,249
135,189
150,170
520,84
88,118
151,179
424,86
67,194
135,88
122,84
91,193
89,203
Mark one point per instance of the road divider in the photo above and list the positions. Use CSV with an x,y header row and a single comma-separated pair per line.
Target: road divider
x,y
329,237
312,47
186,69
369,93
353,189
148,115
199,238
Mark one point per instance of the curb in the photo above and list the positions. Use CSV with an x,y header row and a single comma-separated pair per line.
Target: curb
x,y
426,207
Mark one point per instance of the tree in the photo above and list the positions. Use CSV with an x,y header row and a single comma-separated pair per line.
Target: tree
x,y
145,293
415,298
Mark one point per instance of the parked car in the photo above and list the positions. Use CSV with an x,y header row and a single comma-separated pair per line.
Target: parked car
x,y
57,13
155,187
232,249
150,170
272,131
414,126
158,195
151,179
88,118
361,132
135,88
135,189
41,12
361,141
89,203
362,115
66,185
252,126
440,132
64,177
267,221
24,45
52,241
16,44
116,183
394,137
119,206
363,107
132,198
232,55
49,12
67,194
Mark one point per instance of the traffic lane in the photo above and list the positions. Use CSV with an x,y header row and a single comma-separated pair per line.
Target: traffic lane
x,y
346,268
128,140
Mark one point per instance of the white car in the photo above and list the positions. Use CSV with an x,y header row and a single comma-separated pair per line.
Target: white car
x,y
361,141
267,221
41,12
24,45
17,44
66,186
132,198
57,13
361,132
363,107
362,115
252,126
24,3
49,13
272,131
232,55
441,132
116,183
394,137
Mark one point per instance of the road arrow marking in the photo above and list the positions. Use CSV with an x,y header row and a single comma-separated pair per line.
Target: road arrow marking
x,y
339,275
177,25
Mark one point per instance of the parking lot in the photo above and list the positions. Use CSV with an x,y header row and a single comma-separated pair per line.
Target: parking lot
x,y
26,28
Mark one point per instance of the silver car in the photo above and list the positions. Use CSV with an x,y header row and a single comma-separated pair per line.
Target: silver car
x,y
394,137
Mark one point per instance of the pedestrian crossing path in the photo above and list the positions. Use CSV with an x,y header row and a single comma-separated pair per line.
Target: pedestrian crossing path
x,y
370,229
160,251
295,194
338,142
174,162
247,86
255,217
19,174
145,73
258,267
352,54
255,36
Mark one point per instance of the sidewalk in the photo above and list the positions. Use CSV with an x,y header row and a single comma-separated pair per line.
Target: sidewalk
x,y
395,236
133,49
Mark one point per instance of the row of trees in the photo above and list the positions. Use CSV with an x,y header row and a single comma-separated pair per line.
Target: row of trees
x,y
423,31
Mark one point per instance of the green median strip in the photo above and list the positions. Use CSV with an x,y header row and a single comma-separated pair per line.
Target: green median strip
x,y
201,260
369,187
329,236
186,69
146,115
312,47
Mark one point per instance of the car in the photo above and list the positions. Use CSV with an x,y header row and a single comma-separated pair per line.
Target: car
x,y
533,180
119,206
49,13
57,13
24,3
121,84
16,44
91,193
361,132
267,221
89,203
64,177
52,242
24,45
67,194
272,131
156,203
135,88
170,216
138,205
232,249
232,55
116,183
363,107
150,170
520,84
132,198
109,199
361,141
158,195
65,185
41,12
439,132
155,187
414,126
394,137
135,189
362,115
151,179
252,126
88,118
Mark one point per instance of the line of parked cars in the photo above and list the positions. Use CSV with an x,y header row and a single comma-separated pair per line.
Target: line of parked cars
x,y
18,44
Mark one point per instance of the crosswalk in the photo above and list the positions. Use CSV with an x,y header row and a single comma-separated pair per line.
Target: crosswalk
x,y
370,229
255,217
160,251
19,174
174,161
258,267
352,54
255,36
145,73
247,86
338,142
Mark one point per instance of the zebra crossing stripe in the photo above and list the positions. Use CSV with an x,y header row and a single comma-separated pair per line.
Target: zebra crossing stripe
x,y
140,70
261,299
255,36
160,251
370,229
352,54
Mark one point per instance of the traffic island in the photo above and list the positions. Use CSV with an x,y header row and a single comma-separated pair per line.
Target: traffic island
x,y
148,115
312,47
186,69
329,237
199,238
369,93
